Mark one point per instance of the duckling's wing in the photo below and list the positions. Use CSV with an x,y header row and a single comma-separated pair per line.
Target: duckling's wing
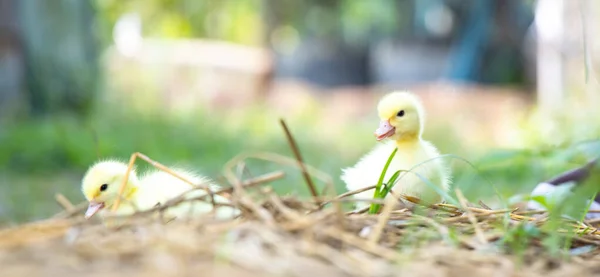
x,y
159,187
440,165
205,206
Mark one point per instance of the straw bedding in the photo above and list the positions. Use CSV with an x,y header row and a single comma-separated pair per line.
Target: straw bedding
x,y
286,236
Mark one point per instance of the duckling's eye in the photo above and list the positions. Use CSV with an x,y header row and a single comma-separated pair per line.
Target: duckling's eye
x,y
103,187
400,113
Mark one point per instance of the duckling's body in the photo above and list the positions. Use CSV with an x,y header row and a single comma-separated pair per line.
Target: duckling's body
x,y
101,182
368,169
402,121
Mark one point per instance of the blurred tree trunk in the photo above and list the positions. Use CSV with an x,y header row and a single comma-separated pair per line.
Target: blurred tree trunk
x,y
270,19
11,60
61,55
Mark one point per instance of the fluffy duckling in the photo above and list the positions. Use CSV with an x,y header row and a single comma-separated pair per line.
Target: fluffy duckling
x,y
101,182
402,122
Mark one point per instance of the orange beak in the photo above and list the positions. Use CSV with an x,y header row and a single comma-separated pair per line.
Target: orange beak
x,y
385,130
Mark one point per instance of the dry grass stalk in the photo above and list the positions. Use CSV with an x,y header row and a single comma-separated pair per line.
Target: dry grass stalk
x,y
463,202
64,202
288,227
382,220
349,193
307,177
266,178
296,151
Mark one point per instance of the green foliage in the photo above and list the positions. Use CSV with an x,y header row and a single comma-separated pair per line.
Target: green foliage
x,y
573,206
244,21
236,21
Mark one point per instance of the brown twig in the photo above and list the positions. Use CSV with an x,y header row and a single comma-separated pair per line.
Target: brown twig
x,y
246,201
64,202
295,149
483,205
269,177
77,209
359,211
346,194
351,200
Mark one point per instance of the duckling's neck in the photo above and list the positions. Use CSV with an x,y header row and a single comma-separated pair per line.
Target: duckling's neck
x,y
408,141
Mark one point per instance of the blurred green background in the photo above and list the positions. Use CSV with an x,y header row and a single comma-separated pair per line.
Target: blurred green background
x,y
72,95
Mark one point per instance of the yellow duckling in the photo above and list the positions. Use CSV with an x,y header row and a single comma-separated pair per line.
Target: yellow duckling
x,y
101,182
402,120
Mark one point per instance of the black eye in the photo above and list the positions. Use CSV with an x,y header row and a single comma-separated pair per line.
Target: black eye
x,y
103,187
400,113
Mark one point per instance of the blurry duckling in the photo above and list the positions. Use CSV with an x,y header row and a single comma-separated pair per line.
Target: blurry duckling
x,y
402,121
101,182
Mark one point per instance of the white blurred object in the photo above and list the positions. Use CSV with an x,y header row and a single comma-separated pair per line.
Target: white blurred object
x,y
560,187
127,34
549,16
554,194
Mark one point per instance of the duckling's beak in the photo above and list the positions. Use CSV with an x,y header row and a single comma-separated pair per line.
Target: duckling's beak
x,y
385,130
93,208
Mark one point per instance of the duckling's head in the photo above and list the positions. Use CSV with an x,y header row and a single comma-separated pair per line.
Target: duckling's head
x,y
402,116
100,185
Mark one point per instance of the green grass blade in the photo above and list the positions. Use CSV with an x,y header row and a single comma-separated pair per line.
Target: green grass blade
x,y
390,184
376,194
